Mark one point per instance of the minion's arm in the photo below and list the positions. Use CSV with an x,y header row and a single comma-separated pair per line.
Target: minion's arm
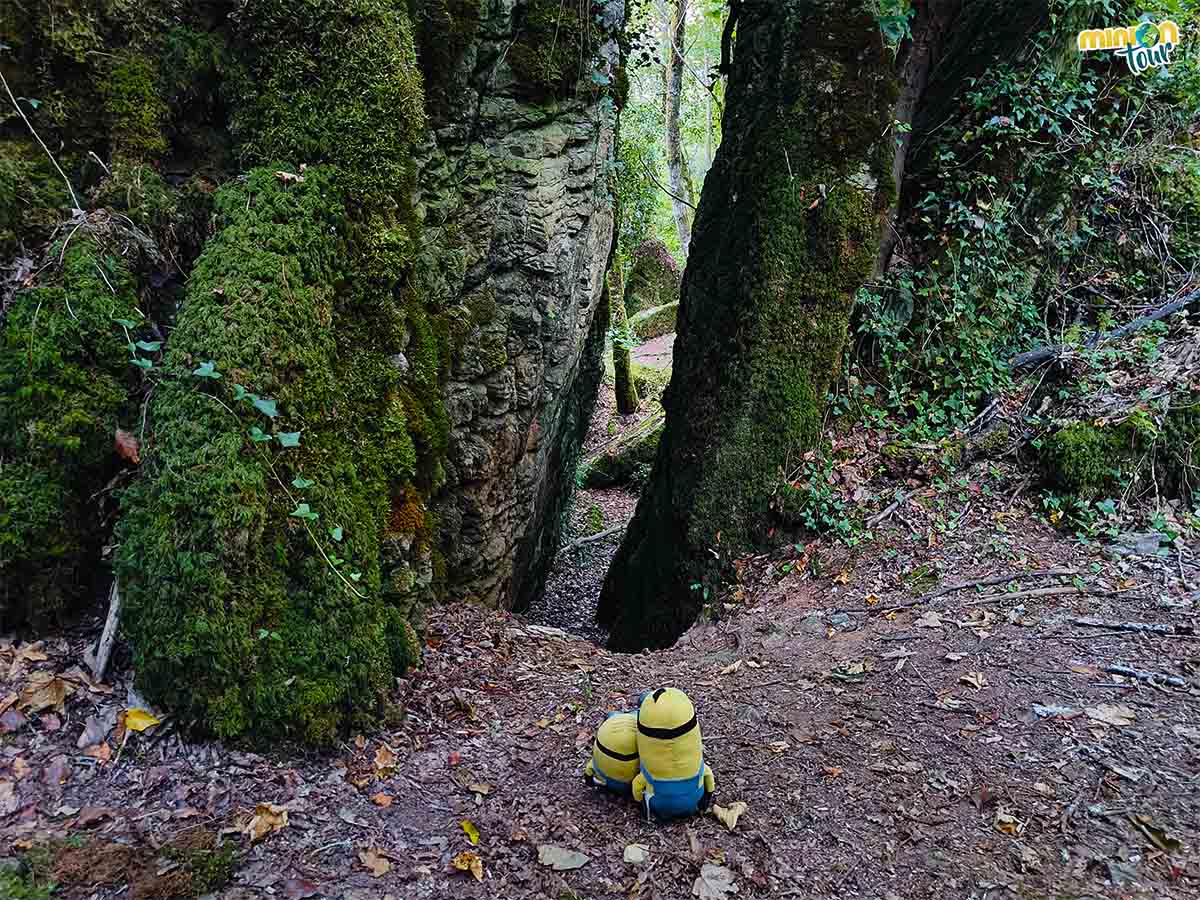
x,y
639,787
710,781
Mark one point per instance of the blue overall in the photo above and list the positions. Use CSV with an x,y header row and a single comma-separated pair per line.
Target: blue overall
x,y
674,797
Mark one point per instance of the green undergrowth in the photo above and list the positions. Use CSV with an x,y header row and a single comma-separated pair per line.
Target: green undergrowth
x,y
65,387
629,462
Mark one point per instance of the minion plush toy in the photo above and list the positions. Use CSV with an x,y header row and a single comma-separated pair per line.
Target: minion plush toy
x,y
614,761
673,779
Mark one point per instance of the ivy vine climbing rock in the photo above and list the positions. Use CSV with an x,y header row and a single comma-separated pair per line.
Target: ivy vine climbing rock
x,y
786,233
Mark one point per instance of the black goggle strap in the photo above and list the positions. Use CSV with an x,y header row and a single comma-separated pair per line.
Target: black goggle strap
x,y
667,734
621,757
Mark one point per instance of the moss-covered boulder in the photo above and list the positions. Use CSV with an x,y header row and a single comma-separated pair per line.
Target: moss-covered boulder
x,y
628,460
1087,460
66,385
553,45
1180,445
654,278
655,322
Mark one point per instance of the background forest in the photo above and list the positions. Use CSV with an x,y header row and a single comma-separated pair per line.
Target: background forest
x,y
390,390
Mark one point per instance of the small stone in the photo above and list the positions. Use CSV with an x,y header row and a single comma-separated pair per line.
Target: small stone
x,y
637,854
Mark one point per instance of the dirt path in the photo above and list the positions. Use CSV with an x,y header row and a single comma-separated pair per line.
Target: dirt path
x,y
657,352
966,747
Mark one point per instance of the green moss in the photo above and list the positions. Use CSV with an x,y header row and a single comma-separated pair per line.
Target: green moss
x,y
628,462
1180,446
136,112
1087,460
65,383
445,30
332,81
654,279
17,885
33,198
554,45
655,321
650,381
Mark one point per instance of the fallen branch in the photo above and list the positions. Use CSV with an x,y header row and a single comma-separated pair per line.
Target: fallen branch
x,y
1056,351
594,538
887,513
979,582
99,662
1154,679
1142,627
1038,592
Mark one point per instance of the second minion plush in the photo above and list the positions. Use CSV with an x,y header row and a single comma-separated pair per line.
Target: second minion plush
x,y
673,779
614,762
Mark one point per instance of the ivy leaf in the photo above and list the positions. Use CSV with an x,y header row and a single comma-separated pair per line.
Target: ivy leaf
x,y
288,438
142,363
302,483
32,101
303,511
336,561
149,346
207,370
258,435
266,407
239,392
355,576
126,323
336,533
600,78
131,347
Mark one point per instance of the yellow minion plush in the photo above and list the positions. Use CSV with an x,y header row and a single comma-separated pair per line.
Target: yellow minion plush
x,y
673,779
614,762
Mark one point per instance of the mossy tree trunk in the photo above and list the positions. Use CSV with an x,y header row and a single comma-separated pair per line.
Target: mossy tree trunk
x,y
680,182
627,397
787,231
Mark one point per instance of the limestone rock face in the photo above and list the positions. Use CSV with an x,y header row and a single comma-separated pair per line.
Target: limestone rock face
x,y
514,187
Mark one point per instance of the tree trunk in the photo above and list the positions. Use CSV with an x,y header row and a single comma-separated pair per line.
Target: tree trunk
x,y
787,230
627,397
678,180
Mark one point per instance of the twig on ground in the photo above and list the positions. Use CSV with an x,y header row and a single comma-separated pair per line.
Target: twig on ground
x,y
1142,627
979,582
1152,678
886,514
1041,592
594,538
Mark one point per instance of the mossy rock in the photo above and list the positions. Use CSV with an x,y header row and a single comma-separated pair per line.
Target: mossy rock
x,y
66,385
655,322
1086,460
33,198
650,381
553,46
629,461
1180,446
445,31
654,279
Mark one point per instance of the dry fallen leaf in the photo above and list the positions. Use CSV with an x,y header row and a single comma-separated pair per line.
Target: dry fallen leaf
x,y
636,854
44,691
779,746
1006,823
929,619
729,815
374,861
484,789
9,801
382,799
560,859
976,680
385,760
268,818
139,719
832,771
731,668
469,862
714,883
471,831
1117,714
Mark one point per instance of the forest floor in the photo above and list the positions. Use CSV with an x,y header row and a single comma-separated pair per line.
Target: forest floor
x,y
922,715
